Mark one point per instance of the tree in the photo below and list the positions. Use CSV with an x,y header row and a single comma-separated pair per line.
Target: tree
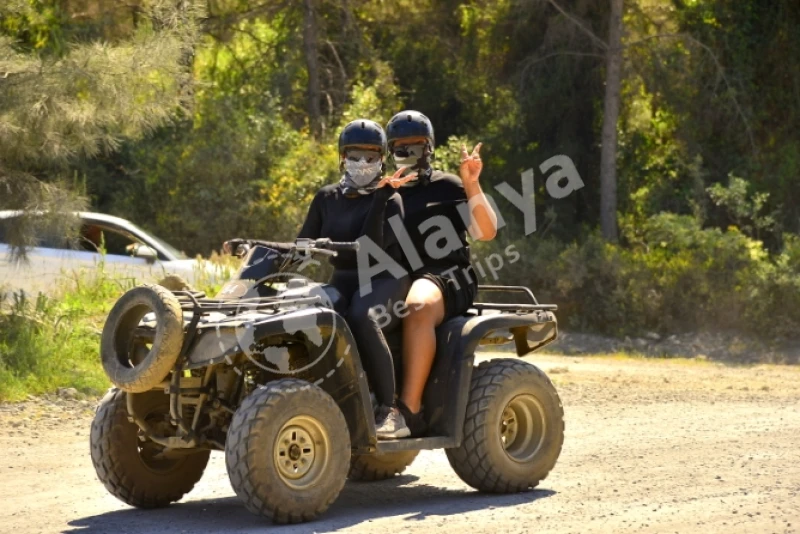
x,y
608,154
612,53
317,53
311,50
60,103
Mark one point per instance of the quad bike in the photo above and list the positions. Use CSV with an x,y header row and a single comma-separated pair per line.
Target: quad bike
x,y
269,373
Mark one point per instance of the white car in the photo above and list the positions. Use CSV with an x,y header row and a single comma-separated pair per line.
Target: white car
x,y
130,253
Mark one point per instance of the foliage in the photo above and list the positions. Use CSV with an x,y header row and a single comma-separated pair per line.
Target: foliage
x,y
47,342
196,126
745,212
62,103
674,277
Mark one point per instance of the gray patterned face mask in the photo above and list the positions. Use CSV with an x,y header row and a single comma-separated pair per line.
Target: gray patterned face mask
x,y
362,173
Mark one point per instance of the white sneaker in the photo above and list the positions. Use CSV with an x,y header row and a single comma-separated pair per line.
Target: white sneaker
x,y
393,426
381,413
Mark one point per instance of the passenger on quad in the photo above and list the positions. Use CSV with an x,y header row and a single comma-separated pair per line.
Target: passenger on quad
x,y
359,205
444,287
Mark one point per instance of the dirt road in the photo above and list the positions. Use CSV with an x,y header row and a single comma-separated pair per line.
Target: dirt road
x,y
651,446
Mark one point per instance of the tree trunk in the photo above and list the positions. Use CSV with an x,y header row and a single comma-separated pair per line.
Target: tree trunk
x,y
608,154
187,60
311,50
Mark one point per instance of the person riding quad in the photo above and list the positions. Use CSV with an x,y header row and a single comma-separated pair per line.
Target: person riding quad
x,y
359,205
443,281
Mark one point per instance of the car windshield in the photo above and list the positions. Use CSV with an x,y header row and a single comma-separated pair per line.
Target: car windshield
x,y
166,246
172,251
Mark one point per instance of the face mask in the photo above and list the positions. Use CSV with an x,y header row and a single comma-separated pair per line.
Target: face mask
x,y
405,162
408,155
362,173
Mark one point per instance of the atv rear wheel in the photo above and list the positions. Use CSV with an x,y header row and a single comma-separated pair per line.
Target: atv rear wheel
x,y
513,431
133,470
288,451
374,467
132,363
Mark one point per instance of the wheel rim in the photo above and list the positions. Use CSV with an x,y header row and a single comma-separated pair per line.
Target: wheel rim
x,y
131,350
152,457
522,428
151,453
302,451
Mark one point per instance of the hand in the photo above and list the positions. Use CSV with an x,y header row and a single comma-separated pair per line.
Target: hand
x,y
471,165
230,246
395,180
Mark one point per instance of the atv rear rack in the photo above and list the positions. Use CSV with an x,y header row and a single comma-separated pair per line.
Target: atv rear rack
x,y
513,307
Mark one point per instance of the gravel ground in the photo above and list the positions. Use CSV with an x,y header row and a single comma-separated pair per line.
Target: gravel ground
x,y
651,446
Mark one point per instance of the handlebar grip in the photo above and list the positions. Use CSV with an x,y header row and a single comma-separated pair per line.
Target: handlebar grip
x,y
338,246
272,244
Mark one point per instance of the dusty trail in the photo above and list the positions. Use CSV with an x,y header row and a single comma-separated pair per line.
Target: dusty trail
x,y
651,446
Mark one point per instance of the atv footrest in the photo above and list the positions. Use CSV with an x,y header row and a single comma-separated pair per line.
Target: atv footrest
x,y
415,444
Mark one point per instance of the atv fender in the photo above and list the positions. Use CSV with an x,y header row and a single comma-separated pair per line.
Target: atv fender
x,y
447,392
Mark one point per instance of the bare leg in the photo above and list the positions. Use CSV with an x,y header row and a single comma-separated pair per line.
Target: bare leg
x,y
426,306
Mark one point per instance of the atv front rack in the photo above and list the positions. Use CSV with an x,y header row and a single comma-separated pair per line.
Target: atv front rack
x,y
198,302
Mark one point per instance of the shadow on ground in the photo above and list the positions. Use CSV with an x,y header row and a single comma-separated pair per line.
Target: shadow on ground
x,y
358,504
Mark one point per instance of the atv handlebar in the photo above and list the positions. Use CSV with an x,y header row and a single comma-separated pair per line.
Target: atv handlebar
x,y
327,244
239,247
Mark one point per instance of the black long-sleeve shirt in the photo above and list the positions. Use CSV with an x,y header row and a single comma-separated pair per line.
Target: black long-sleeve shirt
x,y
341,217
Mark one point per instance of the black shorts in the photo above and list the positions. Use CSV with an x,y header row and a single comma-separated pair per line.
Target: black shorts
x,y
458,289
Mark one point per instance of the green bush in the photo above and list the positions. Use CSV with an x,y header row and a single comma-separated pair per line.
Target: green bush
x,y
672,276
51,342
47,343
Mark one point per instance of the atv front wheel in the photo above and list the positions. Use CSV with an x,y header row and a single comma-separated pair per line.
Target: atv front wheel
x,y
513,431
288,451
135,470
133,363
374,467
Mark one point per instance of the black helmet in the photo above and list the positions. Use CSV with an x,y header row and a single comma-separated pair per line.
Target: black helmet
x,y
409,124
362,133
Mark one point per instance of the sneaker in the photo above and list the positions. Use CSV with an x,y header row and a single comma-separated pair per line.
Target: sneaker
x,y
393,426
415,421
381,413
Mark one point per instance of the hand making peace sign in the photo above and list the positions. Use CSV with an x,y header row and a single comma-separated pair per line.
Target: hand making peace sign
x,y
471,165
395,181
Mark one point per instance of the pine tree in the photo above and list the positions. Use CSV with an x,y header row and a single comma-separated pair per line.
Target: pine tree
x,y
60,102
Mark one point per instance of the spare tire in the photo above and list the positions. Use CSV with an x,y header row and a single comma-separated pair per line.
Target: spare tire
x,y
129,362
173,282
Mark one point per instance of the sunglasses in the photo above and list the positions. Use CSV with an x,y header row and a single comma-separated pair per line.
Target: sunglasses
x,y
367,156
409,151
